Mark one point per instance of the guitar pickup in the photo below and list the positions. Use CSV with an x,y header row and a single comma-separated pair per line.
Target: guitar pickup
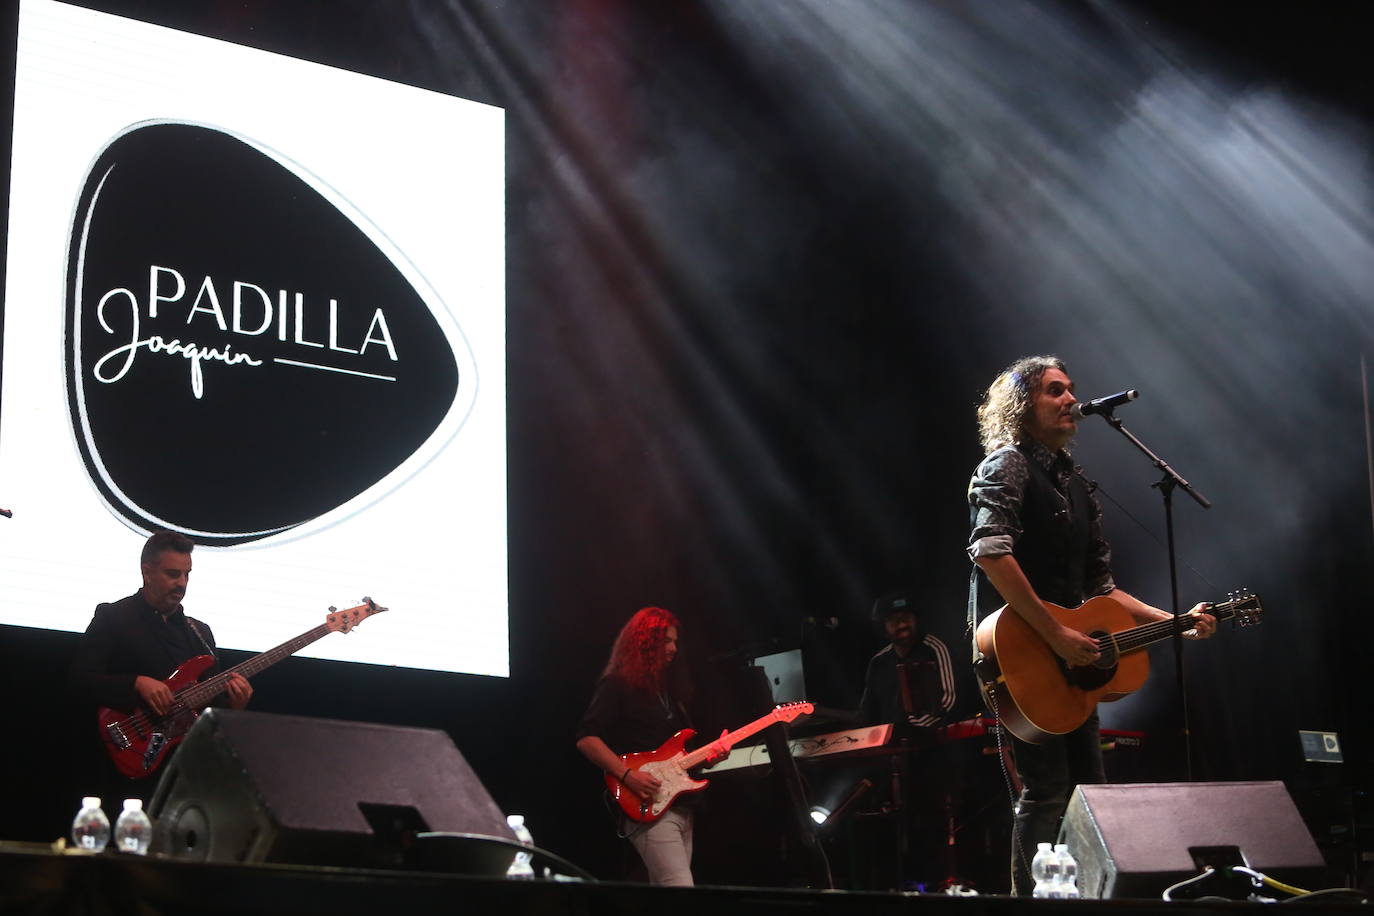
x,y
155,742
117,736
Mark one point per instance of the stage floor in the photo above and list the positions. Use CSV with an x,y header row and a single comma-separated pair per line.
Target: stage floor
x,y
35,880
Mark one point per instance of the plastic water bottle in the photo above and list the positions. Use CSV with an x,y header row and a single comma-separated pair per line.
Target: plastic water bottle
x,y
91,828
133,830
1054,876
1040,870
1068,872
521,867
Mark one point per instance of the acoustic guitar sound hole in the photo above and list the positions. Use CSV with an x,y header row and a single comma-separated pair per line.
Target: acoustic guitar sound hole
x,y
1090,677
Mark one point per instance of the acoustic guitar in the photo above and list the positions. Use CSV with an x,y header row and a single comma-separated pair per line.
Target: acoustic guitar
x,y
1036,694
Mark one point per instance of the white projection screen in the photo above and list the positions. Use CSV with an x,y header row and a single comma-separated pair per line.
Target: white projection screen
x,y
259,301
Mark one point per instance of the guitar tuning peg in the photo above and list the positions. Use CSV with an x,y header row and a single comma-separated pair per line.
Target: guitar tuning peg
x,y
332,609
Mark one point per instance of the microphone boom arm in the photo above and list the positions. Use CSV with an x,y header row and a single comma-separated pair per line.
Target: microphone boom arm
x,y
1171,477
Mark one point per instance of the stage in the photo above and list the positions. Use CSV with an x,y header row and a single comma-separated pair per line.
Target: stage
x,y
36,880
564,310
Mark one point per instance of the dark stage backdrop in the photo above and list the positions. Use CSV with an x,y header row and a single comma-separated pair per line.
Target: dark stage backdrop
x,y
762,258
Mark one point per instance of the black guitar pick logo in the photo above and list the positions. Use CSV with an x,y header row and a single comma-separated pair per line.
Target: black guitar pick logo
x,y
244,356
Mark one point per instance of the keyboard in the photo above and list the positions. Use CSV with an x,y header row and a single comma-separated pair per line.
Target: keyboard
x,y
851,742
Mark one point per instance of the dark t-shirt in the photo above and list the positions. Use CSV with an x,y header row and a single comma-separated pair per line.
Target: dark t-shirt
x,y
631,719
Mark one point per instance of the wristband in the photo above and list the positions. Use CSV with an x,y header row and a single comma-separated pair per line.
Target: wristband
x,y
623,775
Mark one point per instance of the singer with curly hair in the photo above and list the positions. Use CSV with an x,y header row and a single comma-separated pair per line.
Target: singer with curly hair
x,y
1037,537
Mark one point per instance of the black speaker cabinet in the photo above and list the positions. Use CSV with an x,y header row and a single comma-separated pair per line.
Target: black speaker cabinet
x,y
256,787
1137,840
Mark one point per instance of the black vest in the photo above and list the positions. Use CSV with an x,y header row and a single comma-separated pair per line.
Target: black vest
x,y
1055,536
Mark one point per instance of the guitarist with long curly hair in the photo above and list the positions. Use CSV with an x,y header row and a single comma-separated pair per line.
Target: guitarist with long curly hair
x,y
1037,536
638,704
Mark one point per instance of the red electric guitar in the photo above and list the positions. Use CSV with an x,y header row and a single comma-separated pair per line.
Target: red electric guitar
x,y
670,764
138,743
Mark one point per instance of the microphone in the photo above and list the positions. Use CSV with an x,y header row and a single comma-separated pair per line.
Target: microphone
x,y
1103,405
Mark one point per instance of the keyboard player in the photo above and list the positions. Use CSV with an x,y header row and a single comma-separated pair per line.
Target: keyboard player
x,y
911,683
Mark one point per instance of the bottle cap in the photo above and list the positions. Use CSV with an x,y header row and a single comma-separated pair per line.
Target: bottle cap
x,y
1061,847
515,820
133,804
1043,846
90,801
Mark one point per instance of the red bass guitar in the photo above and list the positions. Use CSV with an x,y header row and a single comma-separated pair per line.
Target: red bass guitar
x,y
139,742
670,764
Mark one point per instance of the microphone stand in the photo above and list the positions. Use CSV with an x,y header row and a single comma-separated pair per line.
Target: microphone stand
x,y
1166,485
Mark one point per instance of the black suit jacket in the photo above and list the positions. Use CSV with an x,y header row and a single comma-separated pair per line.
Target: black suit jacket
x,y
129,638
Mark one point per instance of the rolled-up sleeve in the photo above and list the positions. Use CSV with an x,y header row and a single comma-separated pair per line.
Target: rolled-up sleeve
x,y
995,495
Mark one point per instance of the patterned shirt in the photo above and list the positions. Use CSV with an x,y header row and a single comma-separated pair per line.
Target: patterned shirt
x,y
997,491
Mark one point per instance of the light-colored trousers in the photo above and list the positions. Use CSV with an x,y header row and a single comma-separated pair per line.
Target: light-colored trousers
x,y
666,848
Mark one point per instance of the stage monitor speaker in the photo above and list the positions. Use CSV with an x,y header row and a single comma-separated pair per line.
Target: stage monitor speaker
x,y
1138,840
256,787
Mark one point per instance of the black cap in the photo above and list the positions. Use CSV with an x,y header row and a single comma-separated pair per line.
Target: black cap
x,y
898,599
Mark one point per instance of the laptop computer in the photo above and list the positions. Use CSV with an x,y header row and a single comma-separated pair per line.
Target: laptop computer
x,y
786,680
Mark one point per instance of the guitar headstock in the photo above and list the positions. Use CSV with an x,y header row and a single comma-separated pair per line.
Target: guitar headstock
x,y
790,711
1242,604
342,621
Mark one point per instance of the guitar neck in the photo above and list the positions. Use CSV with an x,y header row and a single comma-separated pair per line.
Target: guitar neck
x,y
1147,634
200,694
730,739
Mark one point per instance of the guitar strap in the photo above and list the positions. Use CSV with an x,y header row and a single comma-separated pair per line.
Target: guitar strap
x,y
195,628
972,630
973,613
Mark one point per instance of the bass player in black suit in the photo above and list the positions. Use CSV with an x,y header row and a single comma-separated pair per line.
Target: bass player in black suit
x,y
133,644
